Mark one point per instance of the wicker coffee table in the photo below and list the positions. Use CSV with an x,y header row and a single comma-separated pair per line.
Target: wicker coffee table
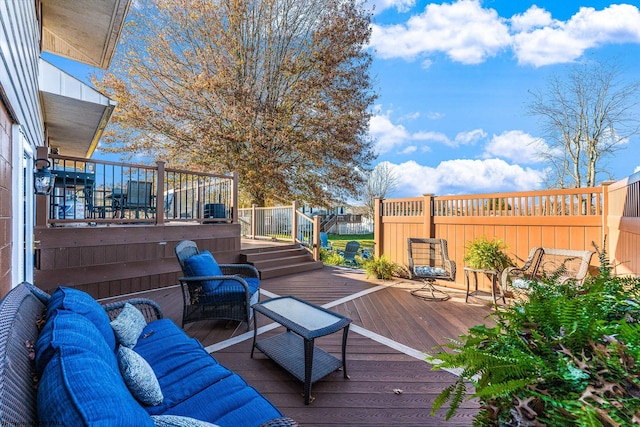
x,y
294,349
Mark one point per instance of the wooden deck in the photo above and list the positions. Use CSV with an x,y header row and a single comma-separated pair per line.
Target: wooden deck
x,y
390,331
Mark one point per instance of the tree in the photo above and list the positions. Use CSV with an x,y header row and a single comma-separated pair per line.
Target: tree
x,y
277,90
380,182
587,116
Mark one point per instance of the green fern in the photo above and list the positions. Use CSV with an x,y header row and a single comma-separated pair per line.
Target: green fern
x,y
551,348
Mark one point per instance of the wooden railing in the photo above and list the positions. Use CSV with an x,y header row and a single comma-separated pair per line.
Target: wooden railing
x,y
99,192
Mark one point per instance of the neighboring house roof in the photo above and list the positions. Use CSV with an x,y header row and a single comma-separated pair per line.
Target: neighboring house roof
x,y
75,114
83,30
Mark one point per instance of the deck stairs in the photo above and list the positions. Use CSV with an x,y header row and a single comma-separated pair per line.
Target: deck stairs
x,y
275,261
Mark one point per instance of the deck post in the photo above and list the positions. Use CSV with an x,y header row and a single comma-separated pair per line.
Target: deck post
x,y
253,221
234,199
160,193
378,250
294,222
42,200
316,238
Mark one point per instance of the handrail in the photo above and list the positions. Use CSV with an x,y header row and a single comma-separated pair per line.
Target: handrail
x,y
103,192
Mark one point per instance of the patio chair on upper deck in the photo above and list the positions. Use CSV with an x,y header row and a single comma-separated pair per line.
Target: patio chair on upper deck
x,y
429,261
215,291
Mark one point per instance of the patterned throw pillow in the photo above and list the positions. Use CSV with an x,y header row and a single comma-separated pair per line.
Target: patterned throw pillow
x,y
128,325
139,377
178,421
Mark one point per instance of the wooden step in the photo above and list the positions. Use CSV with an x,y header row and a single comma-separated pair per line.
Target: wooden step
x,y
280,260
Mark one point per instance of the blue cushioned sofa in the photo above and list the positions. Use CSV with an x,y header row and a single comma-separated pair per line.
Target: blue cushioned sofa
x,y
59,366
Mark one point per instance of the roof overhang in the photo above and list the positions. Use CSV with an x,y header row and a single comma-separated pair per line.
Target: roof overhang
x,y
75,114
83,30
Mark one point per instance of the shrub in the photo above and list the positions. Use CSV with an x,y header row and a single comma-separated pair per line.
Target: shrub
x,y
567,356
330,257
381,267
486,254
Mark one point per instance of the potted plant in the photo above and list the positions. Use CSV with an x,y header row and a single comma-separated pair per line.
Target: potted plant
x,y
567,356
485,254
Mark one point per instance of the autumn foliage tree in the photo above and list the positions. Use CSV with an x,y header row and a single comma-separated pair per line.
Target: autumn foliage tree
x,y
277,90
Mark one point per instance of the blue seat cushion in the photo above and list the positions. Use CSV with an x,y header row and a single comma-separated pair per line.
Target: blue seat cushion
x,y
66,328
191,380
230,290
77,388
82,303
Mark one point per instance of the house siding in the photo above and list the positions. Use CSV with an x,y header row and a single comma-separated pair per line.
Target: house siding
x,y
19,103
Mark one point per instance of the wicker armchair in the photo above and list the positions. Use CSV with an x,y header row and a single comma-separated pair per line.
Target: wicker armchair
x,y
543,262
429,261
235,292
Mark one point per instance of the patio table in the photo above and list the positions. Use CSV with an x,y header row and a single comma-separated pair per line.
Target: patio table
x,y
294,349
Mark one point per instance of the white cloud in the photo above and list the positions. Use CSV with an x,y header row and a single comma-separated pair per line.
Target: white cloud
x,y
560,42
534,17
637,169
468,33
387,135
409,150
462,176
462,138
463,30
516,145
400,5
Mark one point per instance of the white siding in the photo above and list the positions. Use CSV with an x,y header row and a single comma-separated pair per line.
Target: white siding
x,y
19,53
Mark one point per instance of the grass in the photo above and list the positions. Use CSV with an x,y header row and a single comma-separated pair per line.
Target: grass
x,y
339,241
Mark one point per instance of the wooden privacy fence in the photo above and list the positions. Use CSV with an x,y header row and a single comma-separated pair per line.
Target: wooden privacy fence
x,y
566,219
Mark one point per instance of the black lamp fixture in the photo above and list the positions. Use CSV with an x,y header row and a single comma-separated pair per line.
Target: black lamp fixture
x,y
42,178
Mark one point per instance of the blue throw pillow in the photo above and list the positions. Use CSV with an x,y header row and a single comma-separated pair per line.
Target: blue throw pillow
x,y
202,264
178,421
82,303
128,325
139,377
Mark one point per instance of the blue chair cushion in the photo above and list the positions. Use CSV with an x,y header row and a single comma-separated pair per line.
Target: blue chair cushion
x,y
139,377
82,303
78,388
66,328
128,325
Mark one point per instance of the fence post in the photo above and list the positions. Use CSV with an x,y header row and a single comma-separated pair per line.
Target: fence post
x,y
427,212
160,193
294,221
253,221
316,238
605,218
378,250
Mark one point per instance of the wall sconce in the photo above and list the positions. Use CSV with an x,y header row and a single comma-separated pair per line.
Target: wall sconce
x,y
42,178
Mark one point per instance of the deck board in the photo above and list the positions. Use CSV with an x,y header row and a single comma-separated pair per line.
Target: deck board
x,y
375,369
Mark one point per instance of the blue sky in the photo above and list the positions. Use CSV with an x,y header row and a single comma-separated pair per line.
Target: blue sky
x,y
454,78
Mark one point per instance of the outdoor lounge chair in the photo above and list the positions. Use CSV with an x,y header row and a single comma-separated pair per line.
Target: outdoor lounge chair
x,y
215,291
324,241
563,264
350,252
429,261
